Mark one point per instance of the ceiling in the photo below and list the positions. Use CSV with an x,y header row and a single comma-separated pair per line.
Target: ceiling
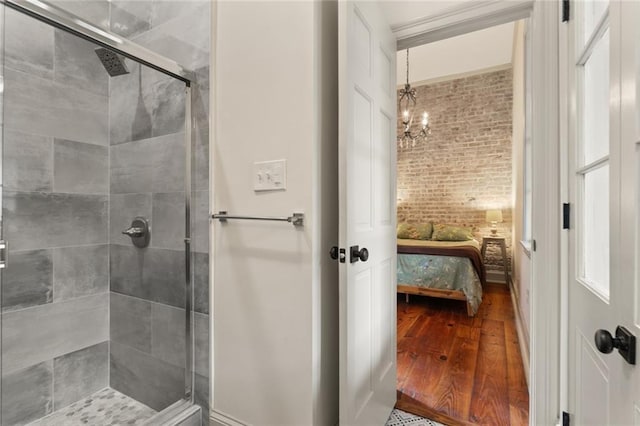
x,y
488,48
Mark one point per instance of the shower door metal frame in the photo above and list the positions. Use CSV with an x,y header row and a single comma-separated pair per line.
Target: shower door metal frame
x,y
73,24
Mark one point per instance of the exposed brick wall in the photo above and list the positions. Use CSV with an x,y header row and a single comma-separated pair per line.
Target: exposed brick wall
x,y
465,166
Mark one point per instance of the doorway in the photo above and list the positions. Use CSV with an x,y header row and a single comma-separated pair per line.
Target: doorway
x,y
473,167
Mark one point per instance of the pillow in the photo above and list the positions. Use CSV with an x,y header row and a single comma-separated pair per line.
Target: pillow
x,y
421,231
406,231
450,233
424,231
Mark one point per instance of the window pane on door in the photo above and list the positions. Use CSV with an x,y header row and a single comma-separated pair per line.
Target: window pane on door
x,y
593,11
595,127
596,230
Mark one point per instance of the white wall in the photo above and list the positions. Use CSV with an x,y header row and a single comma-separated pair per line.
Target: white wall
x,y
521,275
275,288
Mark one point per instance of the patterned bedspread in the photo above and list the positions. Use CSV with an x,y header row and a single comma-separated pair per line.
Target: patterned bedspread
x,y
440,272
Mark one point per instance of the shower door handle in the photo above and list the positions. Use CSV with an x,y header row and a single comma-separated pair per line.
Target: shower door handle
x,y
4,253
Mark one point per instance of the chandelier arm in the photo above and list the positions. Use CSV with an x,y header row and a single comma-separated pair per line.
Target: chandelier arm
x,y
407,66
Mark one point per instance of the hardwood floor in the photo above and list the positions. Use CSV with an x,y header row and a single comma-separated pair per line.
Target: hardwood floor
x,y
457,369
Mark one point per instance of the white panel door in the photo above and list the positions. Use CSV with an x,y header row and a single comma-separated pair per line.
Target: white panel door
x,y
604,257
367,107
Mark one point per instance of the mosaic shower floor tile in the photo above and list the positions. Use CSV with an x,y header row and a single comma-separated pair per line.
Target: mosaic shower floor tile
x,y
107,407
402,418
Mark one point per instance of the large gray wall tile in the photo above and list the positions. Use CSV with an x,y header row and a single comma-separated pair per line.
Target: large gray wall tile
x,y
79,374
164,274
168,216
130,322
36,220
151,381
27,394
201,392
126,265
152,274
200,231
80,167
129,18
80,271
95,12
62,111
130,115
77,65
123,209
201,282
145,103
27,162
149,165
167,100
201,333
201,154
28,280
28,44
168,333
44,332
180,36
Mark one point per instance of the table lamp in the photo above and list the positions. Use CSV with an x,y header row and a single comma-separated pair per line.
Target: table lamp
x,y
493,217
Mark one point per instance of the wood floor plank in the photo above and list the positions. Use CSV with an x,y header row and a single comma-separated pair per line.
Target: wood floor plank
x,y
452,399
490,397
467,370
517,382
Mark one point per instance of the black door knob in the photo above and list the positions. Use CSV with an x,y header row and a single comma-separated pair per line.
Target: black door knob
x,y
624,341
334,253
605,342
359,254
364,254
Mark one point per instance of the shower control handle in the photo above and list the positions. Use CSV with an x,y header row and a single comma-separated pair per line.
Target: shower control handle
x,y
139,232
134,231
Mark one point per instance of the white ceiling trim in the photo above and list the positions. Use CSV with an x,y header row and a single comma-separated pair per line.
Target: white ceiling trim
x,y
460,19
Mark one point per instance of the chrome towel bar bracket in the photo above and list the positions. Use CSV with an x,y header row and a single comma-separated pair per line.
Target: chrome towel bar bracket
x,y
296,219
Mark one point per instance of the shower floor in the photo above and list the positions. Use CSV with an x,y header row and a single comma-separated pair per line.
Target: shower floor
x,y
104,408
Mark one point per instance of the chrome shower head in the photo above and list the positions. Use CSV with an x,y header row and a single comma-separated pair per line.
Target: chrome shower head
x,y
112,62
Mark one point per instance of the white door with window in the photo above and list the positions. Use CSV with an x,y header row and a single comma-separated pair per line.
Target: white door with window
x,y
604,286
367,107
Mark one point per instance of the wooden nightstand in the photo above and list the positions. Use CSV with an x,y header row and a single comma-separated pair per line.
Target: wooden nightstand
x,y
503,247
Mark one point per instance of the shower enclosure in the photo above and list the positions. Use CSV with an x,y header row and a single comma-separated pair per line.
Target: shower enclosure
x,y
104,252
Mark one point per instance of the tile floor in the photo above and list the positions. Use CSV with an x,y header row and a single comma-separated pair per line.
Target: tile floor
x,y
401,418
104,408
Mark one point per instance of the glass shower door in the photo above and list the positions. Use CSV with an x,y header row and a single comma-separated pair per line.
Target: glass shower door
x,y
94,321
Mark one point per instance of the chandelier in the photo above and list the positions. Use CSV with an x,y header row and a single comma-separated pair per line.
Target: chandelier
x,y
407,104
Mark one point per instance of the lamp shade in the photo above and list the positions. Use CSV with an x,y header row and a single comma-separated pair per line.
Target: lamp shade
x,y
494,215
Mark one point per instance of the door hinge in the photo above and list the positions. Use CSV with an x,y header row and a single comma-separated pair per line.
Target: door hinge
x,y
566,419
4,253
533,245
566,10
566,216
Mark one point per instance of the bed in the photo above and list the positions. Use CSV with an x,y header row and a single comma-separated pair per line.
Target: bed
x,y
445,269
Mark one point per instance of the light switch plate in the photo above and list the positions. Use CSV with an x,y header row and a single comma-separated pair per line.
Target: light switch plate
x,y
270,175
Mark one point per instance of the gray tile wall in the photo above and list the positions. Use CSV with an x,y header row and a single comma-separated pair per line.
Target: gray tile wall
x,y
83,155
147,179
55,291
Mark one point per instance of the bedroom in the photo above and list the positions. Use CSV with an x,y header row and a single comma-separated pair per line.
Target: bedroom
x,y
462,177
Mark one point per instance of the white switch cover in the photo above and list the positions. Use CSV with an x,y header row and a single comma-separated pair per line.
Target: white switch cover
x,y
270,175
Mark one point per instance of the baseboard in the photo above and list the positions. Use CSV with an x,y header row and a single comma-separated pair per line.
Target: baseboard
x,y
219,418
523,336
496,277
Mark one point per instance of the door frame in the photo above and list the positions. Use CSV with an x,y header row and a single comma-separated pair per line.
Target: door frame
x,y
548,292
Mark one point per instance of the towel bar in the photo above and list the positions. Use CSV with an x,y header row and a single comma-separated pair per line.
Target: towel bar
x,y
297,219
